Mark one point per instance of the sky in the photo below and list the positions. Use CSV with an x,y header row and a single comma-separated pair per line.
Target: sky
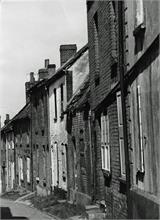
x,y
30,32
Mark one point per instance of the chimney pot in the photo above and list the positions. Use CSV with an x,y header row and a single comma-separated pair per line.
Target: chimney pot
x,y
46,63
7,116
7,119
32,79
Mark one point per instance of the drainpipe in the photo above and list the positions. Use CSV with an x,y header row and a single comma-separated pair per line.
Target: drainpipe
x,y
91,156
122,71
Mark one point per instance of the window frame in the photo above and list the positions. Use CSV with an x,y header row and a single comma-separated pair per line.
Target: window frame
x,y
28,169
121,135
105,143
141,167
55,103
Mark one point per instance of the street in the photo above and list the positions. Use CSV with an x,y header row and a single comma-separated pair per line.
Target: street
x,y
13,210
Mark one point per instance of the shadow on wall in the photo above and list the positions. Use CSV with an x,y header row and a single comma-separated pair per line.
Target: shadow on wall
x,y
5,213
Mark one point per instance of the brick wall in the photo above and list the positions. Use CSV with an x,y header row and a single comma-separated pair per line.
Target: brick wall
x,y
111,190
79,159
40,144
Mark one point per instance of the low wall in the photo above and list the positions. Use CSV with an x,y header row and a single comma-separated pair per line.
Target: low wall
x,y
144,205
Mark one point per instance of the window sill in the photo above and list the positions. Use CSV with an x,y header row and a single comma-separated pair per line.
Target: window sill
x,y
140,175
122,179
139,30
106,173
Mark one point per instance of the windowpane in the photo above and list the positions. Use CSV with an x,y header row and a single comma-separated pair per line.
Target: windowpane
x,y
28,169
122,156
119,108
55,102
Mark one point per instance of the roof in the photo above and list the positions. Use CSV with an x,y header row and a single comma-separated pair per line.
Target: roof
x,y
22,114
60,71
80,97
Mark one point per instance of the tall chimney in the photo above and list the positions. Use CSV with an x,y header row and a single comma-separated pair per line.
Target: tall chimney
x,y
7,119
66,52
46,63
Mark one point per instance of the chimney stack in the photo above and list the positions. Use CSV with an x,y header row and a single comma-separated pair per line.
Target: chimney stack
x,y
7,119
46,63
51,69
43,74
28,85
66,52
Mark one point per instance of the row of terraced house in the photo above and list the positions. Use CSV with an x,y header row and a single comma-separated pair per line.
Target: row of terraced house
x,y
92,127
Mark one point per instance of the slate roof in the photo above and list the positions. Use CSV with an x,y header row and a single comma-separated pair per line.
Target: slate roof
x,y
22,114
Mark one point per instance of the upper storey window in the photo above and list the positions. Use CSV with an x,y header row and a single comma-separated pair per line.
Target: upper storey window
x,y
139,19
139,30
55,104
139,12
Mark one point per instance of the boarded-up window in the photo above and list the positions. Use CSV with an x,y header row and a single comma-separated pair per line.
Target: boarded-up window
x,y
140,130
28,169
121,136
105,147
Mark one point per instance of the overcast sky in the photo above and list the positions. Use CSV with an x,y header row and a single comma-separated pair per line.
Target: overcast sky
x,y
30,32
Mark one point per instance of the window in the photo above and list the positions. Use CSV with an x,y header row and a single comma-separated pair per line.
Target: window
x,y
21,168
55,104
27,137
44,161
140,130
28,169
96,43
62,99
105,147
121,136
37,159
139,12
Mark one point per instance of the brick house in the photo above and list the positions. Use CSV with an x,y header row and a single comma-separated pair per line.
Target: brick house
x,y
22,150
8,162
105,103
61,86
141,85
79,153
38,95
17,151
